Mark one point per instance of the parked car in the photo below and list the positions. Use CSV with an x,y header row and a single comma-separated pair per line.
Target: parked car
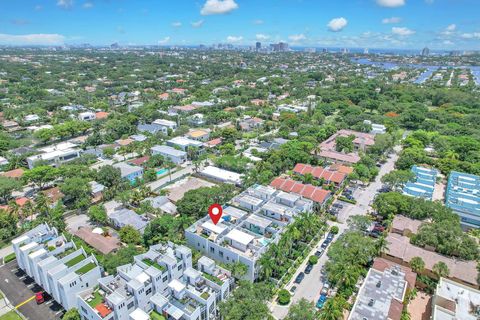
x,y
324,244
349,197
330,236
379,227
375,234
319,252
308,269
337,205
321,301
299,278
293,289
39,297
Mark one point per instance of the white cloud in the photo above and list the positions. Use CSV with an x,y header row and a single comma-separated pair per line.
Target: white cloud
x,y
337,24
65,4
402,31
448,43
164,40
297,37
38,7
452,27
262,37
87,5
391,3
473,35
258,21
234,39
176,24
218,7
32,39
197,24
391,20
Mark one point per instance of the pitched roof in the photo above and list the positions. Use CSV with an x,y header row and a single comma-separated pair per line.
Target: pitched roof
x,y
15,173
103,244
308,191
320,173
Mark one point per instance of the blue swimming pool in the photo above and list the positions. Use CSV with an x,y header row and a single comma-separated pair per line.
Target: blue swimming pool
x,y
161,171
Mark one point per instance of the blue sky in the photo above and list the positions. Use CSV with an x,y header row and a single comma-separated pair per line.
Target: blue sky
x,y
411,24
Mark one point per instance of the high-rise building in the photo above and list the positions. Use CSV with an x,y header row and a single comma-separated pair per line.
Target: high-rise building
x,y
425,51
258,46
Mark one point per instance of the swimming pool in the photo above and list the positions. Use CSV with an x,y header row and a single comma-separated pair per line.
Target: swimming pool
x,y
161,171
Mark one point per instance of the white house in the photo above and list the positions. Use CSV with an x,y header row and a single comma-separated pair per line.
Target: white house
x,y
176,156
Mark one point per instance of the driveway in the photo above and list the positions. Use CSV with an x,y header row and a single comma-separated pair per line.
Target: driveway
x,y
311,285
74,222
19,289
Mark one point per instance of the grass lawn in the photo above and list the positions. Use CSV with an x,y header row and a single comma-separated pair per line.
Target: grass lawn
x,y
74,261
89,266
97,299
12,315
156,316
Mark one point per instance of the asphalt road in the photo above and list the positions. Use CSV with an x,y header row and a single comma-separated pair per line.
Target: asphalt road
x,y
312,284
18,289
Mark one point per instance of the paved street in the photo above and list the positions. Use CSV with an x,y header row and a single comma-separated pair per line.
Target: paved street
x,y
312,283
20,289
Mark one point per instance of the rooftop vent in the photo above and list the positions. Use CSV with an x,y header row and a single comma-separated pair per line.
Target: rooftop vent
x,y
379,284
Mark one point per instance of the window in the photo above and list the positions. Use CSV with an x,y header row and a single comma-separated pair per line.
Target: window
x,y
221,253
179,267
84,310
131,305
149,290
212,250
165,279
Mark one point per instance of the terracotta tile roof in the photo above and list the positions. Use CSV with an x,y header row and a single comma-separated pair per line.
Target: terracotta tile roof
x,y
214,142
15,173
139,161
53,194
103,244
124,142
305,190
341,168
320,173
395,311
101,115
22,201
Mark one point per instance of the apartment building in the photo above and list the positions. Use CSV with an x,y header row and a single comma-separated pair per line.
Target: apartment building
x,y
254,219
424,184
453,300
161,281
55,155
58,266
463,197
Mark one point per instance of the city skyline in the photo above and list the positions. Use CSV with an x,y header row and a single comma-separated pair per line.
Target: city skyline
x,y
383,24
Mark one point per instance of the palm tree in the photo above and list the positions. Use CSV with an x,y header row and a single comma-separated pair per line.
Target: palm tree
x,y
451,155
441,269
417,264
333,309
382,245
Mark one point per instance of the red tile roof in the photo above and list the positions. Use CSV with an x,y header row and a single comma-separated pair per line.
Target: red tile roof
x,y
139,161
103,310
320,172
305,190
15,174
214,142
101,115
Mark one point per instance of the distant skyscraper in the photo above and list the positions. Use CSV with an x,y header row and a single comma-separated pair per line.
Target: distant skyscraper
x,y
365,51
425,51
279,47
114,45
324,50
258,46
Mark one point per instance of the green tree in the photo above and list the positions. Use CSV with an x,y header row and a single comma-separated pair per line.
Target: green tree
x,y
7,185
71,314
283,297
396,179
333,308
109,176
344,144
334,229
41,175
97,214
123,256
77,192
248,301
130,235
441,269
302,310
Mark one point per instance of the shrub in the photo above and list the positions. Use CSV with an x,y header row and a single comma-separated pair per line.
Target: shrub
x,y
9,257
334,229
283,297
313,259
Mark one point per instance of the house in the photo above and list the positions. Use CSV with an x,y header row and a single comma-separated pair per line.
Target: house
x,y
320,173
316,194
423,185
199,135
96,191
463,197
376,128
213,143
103,244
401,251
249,123
165,125
405,226
161,283
162,203
129,172
101,115
383,291
31,118
184,143
60,268
176,156
125,217
255,219
196,120
361,142
14,174
221,175
3,161
87,116
453,300
55,155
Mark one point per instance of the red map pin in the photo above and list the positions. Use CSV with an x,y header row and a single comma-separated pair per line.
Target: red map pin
x,y
215,212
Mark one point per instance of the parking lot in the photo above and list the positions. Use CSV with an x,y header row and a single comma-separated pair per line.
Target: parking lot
x,y
19,290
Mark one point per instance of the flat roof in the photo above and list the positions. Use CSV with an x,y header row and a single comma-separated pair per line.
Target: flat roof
x,y
463,298
240,237
169,151
259,221
221,174
218,228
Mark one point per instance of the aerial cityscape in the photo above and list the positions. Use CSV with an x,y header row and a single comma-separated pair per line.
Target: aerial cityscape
x,y
240,160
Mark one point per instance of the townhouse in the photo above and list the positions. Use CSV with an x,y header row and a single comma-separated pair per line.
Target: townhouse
x,y
55,155
250,223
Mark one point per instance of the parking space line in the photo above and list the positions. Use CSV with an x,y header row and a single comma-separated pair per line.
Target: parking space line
x,y
49,302
58,312
24,302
